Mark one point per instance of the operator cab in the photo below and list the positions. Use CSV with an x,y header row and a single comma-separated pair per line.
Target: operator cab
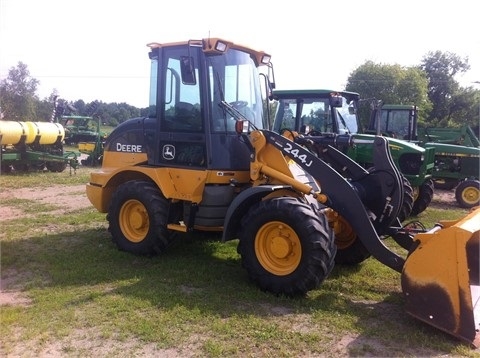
x,y
396,121
194,88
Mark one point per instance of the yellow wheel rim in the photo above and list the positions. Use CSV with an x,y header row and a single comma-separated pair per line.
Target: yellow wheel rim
x,y
471,195
134,221
344,234
278,248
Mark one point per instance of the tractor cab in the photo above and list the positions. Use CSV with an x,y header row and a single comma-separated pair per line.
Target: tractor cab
x,y
320,111
188,125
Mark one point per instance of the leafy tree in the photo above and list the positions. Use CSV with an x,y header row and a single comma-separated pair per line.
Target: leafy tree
x,y
44,108
80,107
392,84
464,110
17,94
440,69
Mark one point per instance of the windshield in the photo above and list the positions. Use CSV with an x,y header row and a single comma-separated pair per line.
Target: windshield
x,y
347,118
234,78
315,114
395,122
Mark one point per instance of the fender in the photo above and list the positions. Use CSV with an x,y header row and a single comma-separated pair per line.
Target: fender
x,y
241,204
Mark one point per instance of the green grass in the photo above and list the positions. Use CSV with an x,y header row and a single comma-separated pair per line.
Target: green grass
x,y
84,295
45,179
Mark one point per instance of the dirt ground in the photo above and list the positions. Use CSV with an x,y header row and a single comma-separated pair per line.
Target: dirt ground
x,y
70,198
67,198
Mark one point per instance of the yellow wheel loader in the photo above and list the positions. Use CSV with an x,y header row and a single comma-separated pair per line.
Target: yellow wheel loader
x,y
202,161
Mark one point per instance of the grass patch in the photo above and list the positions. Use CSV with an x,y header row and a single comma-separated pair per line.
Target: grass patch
x,y
44,179
83,296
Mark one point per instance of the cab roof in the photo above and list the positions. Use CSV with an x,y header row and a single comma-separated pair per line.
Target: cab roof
x,y
216,45
312,93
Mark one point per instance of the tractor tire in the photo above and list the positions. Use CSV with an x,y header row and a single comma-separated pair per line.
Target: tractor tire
x,y
137,218
286,247
350,249
467,193
56,167
424,197
6,168
38,166
353,254
407,205
21,167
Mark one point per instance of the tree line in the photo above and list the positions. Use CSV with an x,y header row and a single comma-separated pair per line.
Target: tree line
x,y
431,86
19,102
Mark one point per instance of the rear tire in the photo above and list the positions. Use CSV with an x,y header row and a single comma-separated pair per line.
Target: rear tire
x,y
21,167
467,193
353,254
56,167
424,198
350,249
407,205
137,217
6,168
286,247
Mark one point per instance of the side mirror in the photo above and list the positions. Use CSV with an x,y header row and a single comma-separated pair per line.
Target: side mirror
x,y
187,70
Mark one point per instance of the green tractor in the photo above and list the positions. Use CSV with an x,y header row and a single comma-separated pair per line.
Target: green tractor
x,y
457,152
322,111
85,133
82,131
463,135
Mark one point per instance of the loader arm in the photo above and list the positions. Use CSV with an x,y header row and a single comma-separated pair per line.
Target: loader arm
x,y
341,195
380,196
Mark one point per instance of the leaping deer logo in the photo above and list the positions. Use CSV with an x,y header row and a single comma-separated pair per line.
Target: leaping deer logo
x,y
168,152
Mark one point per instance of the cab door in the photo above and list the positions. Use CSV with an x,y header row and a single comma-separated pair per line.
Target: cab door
x,y
181,135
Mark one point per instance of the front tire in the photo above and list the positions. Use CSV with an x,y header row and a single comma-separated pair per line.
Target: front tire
x,y
286,247
467,193
350,249
407,205
424,197
353,254
137,218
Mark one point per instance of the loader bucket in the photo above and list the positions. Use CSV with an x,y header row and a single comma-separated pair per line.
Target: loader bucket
x,y
440,278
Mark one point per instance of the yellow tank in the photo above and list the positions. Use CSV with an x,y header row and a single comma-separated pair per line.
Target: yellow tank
x,y
12,132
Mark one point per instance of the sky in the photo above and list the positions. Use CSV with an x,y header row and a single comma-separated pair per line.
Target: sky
x,y
97,49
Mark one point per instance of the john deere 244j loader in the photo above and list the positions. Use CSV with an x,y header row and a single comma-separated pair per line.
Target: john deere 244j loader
x,y
202,161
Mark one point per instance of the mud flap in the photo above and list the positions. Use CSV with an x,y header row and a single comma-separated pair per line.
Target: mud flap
x,y
440,278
